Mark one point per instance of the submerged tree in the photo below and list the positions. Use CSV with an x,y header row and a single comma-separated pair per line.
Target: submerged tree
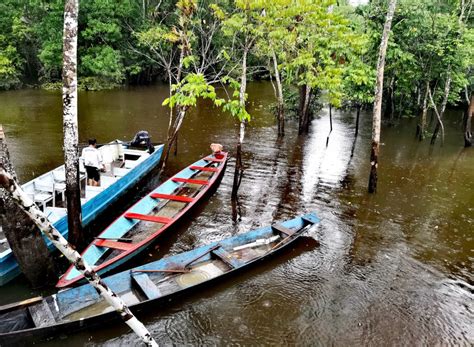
x,y
315,59
243,27
377,113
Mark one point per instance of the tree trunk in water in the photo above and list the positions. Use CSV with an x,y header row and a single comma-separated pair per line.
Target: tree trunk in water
x,y
23,236
39,218
374,154
440,121
330,124
443,108
238,172
71,155
174,135
420,131
176,145
389,107
418,97
302,92
357,120
468,124
305,96
280,101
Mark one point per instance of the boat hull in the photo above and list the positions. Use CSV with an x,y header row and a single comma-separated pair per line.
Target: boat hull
x,y
92,209
123,281
142,206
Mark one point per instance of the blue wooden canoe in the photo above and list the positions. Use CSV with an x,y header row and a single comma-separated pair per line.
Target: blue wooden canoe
x,y
146,286
125,166
139,226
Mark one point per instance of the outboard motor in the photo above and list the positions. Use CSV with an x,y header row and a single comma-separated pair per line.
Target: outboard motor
x,y
141,139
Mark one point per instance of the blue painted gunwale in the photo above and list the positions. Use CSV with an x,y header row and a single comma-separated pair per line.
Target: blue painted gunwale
x,y
70,300
122,225
9,268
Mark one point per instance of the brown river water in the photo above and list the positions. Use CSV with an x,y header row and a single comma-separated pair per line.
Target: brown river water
x,y
394,268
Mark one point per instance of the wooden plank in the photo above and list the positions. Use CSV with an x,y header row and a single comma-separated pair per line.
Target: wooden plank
x,y
148,218
41,314
283,230
147,286
191,181
172,197
123,246
204,168
227,258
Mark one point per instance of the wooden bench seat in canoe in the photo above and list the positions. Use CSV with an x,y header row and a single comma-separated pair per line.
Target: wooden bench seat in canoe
x,y
122,246
180,198
146,285
190,181
204,168
282,230
42,314
227,258
148,218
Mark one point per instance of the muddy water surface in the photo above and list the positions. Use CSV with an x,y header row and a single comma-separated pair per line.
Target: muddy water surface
x,y
389,269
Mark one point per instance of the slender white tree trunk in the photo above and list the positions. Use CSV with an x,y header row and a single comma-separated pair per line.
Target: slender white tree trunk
x,y
424,114
440,121
439,124
238,155
71,158
377,119
8,183
71,138
280,111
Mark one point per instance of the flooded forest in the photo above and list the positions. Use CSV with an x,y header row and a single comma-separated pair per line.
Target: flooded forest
x,y
268,172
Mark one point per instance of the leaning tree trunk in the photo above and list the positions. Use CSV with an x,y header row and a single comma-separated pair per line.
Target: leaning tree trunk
x,y
421,128
280,101
174,134
374,154
238,172
23,236
71,155
11,187
468,123
440,121
447,88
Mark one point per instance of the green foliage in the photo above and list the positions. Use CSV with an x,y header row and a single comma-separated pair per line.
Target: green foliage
x,y
325,44
104,63
428,42
194,86
9,65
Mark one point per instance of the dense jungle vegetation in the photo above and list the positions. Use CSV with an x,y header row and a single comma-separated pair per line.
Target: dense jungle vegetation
x,y
307,46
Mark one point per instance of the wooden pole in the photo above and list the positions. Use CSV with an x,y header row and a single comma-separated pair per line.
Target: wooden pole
x,y
10,185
